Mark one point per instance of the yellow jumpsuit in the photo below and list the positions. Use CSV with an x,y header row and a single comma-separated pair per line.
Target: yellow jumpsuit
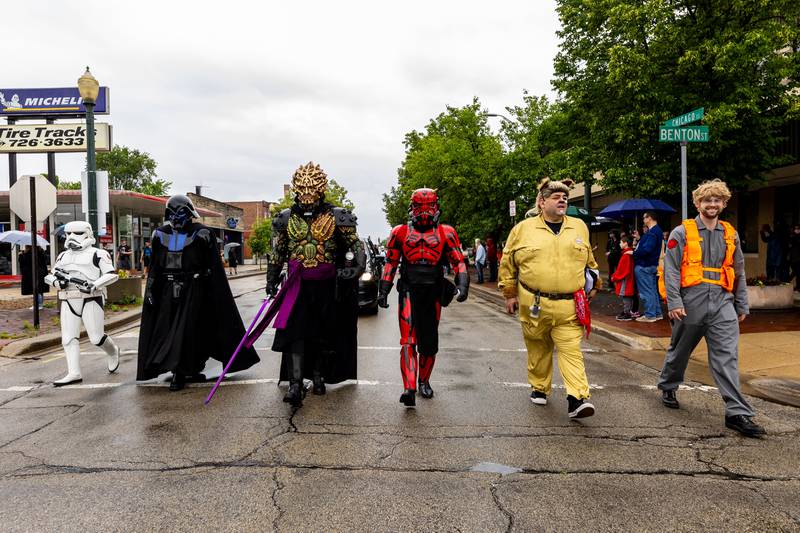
x,y
550,263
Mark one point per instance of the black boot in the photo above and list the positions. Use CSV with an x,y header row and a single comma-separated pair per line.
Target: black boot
x,y
178,382
296,392
294,396
425,389
319,384
409,398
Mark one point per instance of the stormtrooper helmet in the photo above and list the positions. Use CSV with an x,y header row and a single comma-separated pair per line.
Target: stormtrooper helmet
x,y
79,235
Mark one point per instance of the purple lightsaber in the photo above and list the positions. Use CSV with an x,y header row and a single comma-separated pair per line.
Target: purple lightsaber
x,y
236,352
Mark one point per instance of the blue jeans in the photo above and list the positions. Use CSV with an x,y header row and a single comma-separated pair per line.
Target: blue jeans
x,y
646,282
479,268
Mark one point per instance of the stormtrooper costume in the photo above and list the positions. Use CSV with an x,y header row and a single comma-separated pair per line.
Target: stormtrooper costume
x,y
81,274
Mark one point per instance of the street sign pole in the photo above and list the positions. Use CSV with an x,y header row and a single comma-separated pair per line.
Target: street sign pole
x,y
684,185
34,256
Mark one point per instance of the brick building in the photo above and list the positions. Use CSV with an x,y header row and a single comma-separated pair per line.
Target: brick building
x,y
252,212
229,227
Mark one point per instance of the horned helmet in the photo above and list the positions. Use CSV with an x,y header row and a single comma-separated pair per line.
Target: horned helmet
x,y
424,208
180,211
79,235
309,184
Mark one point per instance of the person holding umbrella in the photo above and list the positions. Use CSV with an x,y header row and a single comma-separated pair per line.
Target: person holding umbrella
x,y
26,270
645,257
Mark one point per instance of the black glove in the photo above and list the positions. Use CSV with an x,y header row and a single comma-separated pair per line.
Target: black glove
x,y
273,278
462,286
384,288
148,292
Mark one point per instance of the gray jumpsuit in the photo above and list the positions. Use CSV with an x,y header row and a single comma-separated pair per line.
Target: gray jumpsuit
x,y
711,312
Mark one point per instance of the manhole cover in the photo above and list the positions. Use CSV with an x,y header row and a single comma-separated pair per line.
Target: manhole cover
x,y
781,390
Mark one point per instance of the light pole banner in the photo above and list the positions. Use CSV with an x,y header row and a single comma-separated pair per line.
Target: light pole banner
x,y
52,101
43,138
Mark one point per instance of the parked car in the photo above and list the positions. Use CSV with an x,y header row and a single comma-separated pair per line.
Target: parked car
x,y
368,283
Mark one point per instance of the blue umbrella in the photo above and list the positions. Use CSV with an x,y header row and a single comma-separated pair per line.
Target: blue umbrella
x,y
634,206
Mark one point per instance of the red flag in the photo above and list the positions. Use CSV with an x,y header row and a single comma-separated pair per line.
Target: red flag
x,y
582,311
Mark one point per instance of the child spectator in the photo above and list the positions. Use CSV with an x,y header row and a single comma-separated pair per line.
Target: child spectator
x,y
624,283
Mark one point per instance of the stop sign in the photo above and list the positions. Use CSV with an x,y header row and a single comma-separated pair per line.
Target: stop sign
x,y
20,198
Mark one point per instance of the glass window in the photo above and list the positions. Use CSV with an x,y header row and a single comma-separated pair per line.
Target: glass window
x,y
747,223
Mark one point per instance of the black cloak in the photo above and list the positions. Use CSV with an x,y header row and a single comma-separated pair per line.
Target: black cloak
x,y
193,315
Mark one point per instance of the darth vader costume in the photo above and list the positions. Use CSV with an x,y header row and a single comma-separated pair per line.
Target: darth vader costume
x,y
189,313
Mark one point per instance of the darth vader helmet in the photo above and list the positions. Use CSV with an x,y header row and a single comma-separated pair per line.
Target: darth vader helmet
x,y
79,235
180,211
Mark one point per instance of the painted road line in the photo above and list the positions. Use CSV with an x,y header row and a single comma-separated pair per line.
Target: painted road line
x,y
361,382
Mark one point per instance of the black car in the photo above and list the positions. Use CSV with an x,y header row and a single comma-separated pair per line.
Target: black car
x,y
368,283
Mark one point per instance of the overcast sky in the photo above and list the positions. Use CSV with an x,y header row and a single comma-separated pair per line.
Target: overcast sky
x,y
236,95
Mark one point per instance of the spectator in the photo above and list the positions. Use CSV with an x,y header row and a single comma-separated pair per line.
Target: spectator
x,y
491,257
147,253
774,252
623,278
233,261
124,254
26,267
613,254
480,259
646,257
794,256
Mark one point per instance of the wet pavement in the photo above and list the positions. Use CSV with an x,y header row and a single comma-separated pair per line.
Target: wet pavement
x,y
111,454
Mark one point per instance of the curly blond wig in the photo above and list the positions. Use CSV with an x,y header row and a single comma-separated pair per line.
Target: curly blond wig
x,y
715,187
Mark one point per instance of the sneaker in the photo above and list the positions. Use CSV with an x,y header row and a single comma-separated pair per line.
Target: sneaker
x,y
579,408
645,318
670,399
624,317
744,425
539,398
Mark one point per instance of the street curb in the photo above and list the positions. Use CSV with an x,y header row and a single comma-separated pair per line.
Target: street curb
x,y
24,347
639,342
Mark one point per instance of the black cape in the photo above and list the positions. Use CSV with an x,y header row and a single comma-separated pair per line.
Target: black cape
x,y
180,334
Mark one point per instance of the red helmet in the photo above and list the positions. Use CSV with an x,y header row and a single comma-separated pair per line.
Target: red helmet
x,y
424,208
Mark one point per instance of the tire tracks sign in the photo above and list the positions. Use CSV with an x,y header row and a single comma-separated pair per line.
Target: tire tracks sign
x,y
43,138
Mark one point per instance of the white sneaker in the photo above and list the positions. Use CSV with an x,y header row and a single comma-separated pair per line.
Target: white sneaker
x,y
539,398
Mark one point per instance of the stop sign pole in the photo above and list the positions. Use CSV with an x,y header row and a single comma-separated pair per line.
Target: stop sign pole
x,y
34,255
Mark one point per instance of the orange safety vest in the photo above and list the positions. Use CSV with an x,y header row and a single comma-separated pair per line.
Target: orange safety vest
x,y
692,263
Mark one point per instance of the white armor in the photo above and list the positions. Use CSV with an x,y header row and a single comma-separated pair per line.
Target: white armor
x,y
81,274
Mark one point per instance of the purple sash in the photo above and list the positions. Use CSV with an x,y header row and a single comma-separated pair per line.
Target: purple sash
x,y
284,301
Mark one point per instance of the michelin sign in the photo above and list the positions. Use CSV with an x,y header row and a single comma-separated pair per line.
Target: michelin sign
x,y
54,101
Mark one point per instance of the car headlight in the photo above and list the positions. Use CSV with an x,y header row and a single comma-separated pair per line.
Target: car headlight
x,y
366,276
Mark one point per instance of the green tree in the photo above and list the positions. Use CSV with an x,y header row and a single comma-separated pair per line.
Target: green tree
x,y
65,185
260,238
463,160
132,170
625,66
336,195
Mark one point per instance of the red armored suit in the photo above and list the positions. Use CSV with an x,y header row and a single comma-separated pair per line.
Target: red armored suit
x,y
422,249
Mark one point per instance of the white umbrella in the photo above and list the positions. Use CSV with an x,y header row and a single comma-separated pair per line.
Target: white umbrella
x,y
22,238
231,245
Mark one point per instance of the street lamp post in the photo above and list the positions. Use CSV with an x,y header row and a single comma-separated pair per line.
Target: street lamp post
x,y
89,88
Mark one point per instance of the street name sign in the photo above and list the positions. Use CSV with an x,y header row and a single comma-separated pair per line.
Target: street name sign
x,y
43,138
20,198
688,118
692,134
52,101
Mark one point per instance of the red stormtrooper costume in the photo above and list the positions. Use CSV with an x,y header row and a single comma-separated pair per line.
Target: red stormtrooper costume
x,y
421,249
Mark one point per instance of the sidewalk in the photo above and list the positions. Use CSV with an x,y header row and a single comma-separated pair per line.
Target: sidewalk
x,y
30,345
769,344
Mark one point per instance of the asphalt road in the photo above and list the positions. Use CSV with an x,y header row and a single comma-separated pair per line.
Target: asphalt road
x,y
112,455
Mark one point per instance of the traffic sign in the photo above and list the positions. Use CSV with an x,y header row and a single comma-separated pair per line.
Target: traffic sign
x,y
692,134
20,198
688,118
